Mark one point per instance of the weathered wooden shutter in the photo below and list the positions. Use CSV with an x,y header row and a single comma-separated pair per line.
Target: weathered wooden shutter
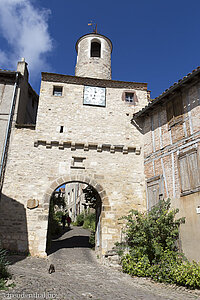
x,y
178,107
193,169
154,190
174,111
189,171
184,174
170,113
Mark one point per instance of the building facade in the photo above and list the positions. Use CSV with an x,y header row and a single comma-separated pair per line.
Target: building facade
x,y
84,135
171,129
18,105
92,130
75,199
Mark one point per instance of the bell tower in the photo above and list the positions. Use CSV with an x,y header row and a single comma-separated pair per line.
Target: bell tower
x,y
93,56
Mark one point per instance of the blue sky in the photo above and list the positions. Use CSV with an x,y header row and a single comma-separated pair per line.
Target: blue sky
x,y
154,41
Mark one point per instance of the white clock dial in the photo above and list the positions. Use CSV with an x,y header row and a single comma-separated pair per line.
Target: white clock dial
x,y
94,95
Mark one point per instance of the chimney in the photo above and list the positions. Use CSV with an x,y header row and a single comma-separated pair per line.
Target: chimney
x,y
22,68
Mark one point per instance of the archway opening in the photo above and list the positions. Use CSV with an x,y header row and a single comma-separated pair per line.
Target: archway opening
x,y
80,204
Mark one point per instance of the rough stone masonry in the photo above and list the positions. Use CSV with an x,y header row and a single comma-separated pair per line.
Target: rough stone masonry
x,y
84,134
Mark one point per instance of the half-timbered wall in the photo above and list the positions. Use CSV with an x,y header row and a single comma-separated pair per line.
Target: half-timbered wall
x,y
172,161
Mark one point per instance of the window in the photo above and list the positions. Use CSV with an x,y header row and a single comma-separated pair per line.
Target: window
x,y
57,90
129,97
189,172
174,111
95,49
154,190
78,162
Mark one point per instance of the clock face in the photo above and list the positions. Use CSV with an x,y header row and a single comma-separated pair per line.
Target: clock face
x,y
94,96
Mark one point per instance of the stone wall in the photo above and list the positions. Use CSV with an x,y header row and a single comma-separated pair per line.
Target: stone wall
x,y
98,146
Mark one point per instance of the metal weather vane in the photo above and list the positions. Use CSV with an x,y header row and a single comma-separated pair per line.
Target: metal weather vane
x,y
94,26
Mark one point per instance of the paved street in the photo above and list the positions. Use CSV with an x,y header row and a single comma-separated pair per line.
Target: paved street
x,y
79,275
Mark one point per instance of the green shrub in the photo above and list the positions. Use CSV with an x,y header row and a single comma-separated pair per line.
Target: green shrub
x,y
151,240
92,238
58,215
188,274
168,270
90,221
154,232
54,227
80,220
4,274
136,267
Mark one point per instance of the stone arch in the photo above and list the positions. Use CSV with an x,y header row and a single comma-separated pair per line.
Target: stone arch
x,y
81,179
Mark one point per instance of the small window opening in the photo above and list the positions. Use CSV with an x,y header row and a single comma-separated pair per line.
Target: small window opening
x,y
57,90
95,49
129,97
174,111
61,129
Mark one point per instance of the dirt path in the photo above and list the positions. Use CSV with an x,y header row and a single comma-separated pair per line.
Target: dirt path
x,y
79,275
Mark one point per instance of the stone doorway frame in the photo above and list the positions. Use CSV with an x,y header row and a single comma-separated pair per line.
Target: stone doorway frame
x,y
80,179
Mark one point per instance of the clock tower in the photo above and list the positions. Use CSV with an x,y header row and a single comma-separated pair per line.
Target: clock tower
x,y
93,56
83,135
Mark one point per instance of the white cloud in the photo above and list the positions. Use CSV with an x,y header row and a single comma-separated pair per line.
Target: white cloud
x,y
25,29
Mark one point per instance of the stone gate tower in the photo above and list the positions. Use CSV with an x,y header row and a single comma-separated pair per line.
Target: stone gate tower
x,y
83,134
94,56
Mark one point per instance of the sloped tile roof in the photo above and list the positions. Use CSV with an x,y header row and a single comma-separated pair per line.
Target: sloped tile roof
x,y
168,91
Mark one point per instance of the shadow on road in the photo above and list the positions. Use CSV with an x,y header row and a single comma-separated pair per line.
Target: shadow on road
x,y
70,239
15,257
63,231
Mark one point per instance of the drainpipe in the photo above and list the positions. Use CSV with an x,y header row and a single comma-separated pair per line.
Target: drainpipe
x,y
8,131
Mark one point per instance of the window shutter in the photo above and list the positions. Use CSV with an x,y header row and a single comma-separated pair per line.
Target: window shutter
x,y
174,110
178,107
170,113
193,169
189,171
184,174
154,190
153,194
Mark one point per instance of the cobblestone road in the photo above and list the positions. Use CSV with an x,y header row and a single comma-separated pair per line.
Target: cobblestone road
x,y
79,275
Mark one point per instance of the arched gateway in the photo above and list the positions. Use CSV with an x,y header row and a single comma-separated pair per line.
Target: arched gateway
x,y
103,205
83,133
